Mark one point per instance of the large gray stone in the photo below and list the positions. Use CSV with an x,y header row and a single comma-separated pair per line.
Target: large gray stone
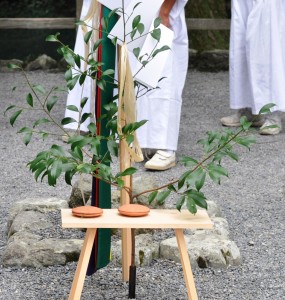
x,y
28,249
81,188
35,204
29,221
213,209
221,227
212,60
43,62
146,250
140,184
204,251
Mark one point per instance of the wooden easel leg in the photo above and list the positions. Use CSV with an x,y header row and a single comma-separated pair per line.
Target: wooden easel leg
x,y
80,274
185,261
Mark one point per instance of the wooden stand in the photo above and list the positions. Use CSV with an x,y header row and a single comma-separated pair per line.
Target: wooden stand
x,y
157,218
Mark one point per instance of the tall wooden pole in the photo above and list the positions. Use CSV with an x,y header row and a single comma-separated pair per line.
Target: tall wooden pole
x,y
125,162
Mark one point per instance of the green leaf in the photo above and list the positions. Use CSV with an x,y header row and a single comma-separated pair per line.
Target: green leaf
x,y
40,168
157,22
137,4
30,100
266,109
40,121
180,202
199,183
77,60
57,150
152,196
188,161
69,58
27,138
128,172
191,205
68,177
136,21
25,129
95,147
14,66
120,182
92,128
72,108
183,178
71,83
136,52
113,147
14,117
161,197
105,23
84,117
80,22
78,153
83,102
172,188
140,28
245,123
68,74
108,72
156,34
198,197
97,44
218,169
87,36
133,33
68,120
39,88
52,38
56,169
8,108
51,102
129,139
246,141
164,48
232,155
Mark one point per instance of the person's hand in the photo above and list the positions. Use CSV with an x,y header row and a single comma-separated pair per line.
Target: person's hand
x,y
165,11
165,19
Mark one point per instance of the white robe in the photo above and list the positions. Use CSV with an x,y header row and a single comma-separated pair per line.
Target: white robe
x,y
257,54
87,89
162,107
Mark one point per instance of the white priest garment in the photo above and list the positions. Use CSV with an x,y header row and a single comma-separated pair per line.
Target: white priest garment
x,y
162,107
257,54
88,88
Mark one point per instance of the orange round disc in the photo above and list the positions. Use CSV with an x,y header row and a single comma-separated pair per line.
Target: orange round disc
x,y
133,210
87,211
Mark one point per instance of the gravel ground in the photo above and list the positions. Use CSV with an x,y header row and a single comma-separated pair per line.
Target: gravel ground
x,y
251,200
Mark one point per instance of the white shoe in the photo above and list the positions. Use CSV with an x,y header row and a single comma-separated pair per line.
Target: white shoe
x,y
161,161
271,120
234,120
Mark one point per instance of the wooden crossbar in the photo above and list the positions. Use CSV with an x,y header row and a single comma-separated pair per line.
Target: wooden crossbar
x,y
69,23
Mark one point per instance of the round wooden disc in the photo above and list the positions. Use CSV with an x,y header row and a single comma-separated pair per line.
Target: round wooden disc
x,y
87,211
133,210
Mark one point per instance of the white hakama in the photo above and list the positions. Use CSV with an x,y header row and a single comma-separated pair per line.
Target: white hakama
x,y
162,107
257,54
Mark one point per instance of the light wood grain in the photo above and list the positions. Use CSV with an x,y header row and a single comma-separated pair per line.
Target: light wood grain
x,y
79,277
37,23
69,23
186,266
157,218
